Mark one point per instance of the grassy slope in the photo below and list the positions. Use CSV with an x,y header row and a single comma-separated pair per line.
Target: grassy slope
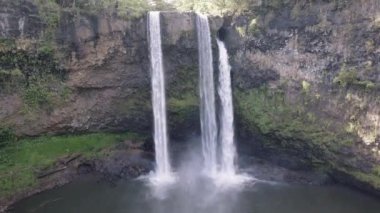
x,y
19,162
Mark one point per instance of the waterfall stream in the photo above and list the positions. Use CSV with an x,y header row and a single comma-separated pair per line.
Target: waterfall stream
x,y
207,96
227,174
163,168
226,134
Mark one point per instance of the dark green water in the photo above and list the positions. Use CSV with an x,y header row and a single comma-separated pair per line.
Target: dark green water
x,y
197,195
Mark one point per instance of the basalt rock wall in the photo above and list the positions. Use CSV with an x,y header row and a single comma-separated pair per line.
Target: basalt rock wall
x,y
306,79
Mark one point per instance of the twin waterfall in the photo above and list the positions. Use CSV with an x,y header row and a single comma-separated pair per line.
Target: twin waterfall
x,y
217,146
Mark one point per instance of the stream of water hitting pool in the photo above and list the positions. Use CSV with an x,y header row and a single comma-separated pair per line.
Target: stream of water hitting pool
x,y
207,97
163,171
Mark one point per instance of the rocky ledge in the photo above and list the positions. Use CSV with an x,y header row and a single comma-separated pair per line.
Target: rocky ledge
x,y
124,161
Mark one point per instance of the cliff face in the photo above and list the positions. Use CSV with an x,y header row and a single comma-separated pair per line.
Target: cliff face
x,y
104,81
306,79
102,72
307,85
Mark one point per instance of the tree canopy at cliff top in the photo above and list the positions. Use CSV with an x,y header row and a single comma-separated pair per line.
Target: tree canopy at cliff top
x,y
133,8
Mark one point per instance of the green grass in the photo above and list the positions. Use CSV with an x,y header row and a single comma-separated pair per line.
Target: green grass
x,y
20,161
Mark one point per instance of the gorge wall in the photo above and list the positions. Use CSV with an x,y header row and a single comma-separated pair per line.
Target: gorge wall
x,y
92,73
307,85
306,78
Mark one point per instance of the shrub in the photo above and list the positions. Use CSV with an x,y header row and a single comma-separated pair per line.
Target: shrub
x,y
215,7
36,96
350,77
346,77
6,136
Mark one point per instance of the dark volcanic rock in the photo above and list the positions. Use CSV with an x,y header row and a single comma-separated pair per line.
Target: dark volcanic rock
x,y
306,87
19,19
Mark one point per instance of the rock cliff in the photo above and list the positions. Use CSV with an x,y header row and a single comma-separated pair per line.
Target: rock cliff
x,y
307,84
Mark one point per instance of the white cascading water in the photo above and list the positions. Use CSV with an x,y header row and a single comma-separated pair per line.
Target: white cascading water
x,y
21,26
226,134
227,175
163,171
207,96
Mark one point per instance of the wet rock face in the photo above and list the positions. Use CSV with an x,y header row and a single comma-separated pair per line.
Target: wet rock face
x,y
107,84
19,18
306,80
180,55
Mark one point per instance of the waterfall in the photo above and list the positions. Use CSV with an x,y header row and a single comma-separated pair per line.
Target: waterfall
x,y
226,134
207,96
21,26
227,174
163,169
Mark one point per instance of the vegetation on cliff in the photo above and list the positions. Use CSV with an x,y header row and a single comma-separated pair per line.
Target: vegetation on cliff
x,y
136,8
21,160
183,101
269,111
293,127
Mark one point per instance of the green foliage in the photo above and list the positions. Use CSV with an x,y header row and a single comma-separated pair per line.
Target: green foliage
x,y
25,61
32,64
37,95
242,32
367,85
372,177
50,12
6,137
346,77
305,86
183,101
133,8
19,162
268,111
65,93
183,109
215,7
45,93
9,79
252,27
350,78
124,8
6,44
186,81
46,48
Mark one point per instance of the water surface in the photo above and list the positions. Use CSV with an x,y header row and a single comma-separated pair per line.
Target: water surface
x,y
200,196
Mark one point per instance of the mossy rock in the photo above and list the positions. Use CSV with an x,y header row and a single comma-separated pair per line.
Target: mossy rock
x,y
289,126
